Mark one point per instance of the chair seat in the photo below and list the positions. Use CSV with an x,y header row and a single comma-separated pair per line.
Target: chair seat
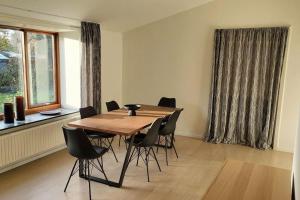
x,y
137,139
162,133
100,150
162,126
96,135
140,135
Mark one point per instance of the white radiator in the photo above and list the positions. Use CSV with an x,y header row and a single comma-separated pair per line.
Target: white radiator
x,y
23,146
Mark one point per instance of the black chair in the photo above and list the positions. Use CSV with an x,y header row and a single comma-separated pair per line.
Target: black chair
x,y
105,139
145,145
167,102
167,131
111,106
81,148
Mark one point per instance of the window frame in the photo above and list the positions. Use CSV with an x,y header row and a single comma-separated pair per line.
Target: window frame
x,y
30,109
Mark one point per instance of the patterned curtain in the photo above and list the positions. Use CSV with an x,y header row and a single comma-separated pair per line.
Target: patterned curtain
x,y
245,85
91,65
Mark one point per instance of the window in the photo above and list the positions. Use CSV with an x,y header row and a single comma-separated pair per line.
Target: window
x,y
28,67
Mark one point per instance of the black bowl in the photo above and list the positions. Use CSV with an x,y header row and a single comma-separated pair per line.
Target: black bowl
x,y
132,108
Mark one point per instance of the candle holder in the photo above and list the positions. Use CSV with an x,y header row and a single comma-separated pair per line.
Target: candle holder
x,y
8,113
20,108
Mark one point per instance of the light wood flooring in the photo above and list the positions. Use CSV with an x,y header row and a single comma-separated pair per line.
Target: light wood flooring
x,y
188,177
246,181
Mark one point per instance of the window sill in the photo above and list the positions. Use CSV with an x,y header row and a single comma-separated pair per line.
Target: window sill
x,y
33,120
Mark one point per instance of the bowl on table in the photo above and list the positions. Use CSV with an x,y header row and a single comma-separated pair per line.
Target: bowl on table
x,y
132,108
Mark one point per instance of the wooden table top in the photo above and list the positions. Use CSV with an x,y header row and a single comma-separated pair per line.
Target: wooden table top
x,y
118,121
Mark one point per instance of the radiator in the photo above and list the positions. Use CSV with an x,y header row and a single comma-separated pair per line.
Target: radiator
x,y
23,146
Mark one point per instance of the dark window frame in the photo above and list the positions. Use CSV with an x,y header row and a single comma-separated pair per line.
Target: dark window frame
x,y
30,109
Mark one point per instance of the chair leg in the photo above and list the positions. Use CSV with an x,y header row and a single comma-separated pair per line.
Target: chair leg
x,y
138,156
155,158
125,138
158,144
88,177
175,150
166,149
111,148
85,169
132,154
173,136
120,140
147,162
71,174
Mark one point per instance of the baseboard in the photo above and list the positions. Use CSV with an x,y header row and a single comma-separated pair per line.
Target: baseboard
x,y
31,158
189,134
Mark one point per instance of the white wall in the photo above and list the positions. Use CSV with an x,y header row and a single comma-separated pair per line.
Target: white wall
x,y
112,61
172,57
70,58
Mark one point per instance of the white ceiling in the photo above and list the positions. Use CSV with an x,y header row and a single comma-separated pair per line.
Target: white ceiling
x,y
114,15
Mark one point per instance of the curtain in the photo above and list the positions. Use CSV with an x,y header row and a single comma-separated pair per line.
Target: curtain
x,y
246,75
91,65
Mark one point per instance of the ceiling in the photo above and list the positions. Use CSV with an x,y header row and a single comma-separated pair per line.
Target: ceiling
x,y
114,15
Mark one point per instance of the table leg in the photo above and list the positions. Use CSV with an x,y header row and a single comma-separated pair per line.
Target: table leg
x,y
122,175
126,161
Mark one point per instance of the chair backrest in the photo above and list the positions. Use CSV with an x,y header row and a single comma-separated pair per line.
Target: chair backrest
x,y
170,126
78,143
112,105
167,102
87,112
152,133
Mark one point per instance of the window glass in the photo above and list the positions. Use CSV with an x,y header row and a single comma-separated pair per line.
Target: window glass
x,y
11,65
41,71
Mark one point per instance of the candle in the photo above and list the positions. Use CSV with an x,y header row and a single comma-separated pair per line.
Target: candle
x,y
8,113
20,108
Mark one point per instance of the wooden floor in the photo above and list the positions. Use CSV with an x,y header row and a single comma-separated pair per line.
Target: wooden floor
x,y
188,177
240,180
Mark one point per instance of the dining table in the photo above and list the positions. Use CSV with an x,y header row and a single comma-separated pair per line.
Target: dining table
x,y
120,123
